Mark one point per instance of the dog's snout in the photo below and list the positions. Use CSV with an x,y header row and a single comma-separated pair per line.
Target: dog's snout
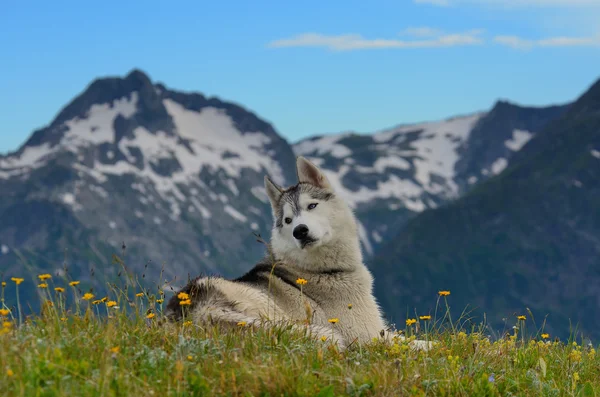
x,y
300,232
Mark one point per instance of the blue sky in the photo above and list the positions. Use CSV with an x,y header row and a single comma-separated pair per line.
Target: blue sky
x,y
308,67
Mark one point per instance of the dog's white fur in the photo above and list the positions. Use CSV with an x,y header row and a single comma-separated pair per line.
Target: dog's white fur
x,y
332,264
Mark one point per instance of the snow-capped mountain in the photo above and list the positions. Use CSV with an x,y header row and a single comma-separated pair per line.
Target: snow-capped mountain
x,y
390,175
177,177
173,181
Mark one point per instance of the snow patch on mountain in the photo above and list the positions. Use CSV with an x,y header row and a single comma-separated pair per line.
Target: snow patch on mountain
x,y
433,156
363,235
30,158
383,163
595,153
204,212
94,128
260,193
68,198
97,126
212,135
324,145
376,236
211,142
394,187
499,165
437,152
519,139
235,214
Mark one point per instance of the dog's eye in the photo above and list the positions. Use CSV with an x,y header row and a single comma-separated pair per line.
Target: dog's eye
x,y
312,206
288,220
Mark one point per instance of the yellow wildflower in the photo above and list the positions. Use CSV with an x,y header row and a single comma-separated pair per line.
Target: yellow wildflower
x,y
96,302
576,376
183,296
545,336
7,324
43,285
4,312
139,294
349,306
187,323
3,284
104,299
63,319
9,373
410,321
74,283
425,318
59,289
333,320
190,358
575,355
301,281
242,323
111,303
323,338
444,293
114,350
521,318
160,301
17,280
150,315
186,302
43,277
87,296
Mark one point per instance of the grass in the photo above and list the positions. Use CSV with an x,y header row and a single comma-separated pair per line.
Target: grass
x,y
97,348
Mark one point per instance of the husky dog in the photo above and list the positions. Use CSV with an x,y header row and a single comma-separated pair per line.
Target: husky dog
x,y
313,276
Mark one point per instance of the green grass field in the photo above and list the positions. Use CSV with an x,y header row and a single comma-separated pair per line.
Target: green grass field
x,y
119,345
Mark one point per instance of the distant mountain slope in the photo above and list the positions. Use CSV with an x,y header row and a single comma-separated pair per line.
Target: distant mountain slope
x,y
526,238
391,175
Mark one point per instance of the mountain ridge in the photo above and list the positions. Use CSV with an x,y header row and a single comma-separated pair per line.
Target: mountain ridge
x,y
522,239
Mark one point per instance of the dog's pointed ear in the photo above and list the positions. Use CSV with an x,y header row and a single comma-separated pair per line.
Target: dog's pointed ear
x,y
273,191
310,173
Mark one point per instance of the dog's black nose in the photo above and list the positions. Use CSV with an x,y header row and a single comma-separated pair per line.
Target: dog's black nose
x,y
300,232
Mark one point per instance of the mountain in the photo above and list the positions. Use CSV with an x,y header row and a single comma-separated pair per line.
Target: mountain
x,y
173,181
176,177
389,176
528,237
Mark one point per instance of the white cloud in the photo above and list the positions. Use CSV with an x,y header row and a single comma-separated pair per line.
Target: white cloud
x,y
422,31
516,3
349,42
525,44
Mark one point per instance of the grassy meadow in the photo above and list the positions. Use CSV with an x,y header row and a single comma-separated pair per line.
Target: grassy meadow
x,y
118,344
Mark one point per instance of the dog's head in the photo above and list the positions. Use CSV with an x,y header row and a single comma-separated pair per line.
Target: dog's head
x,y
307,215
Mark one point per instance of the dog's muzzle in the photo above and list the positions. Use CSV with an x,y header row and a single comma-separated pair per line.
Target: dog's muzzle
x,y
301,234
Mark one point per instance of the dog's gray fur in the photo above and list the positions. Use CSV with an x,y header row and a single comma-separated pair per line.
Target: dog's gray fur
x,y
329,258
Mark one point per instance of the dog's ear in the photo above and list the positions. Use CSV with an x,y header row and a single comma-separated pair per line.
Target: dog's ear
x,y
273,191
310,173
